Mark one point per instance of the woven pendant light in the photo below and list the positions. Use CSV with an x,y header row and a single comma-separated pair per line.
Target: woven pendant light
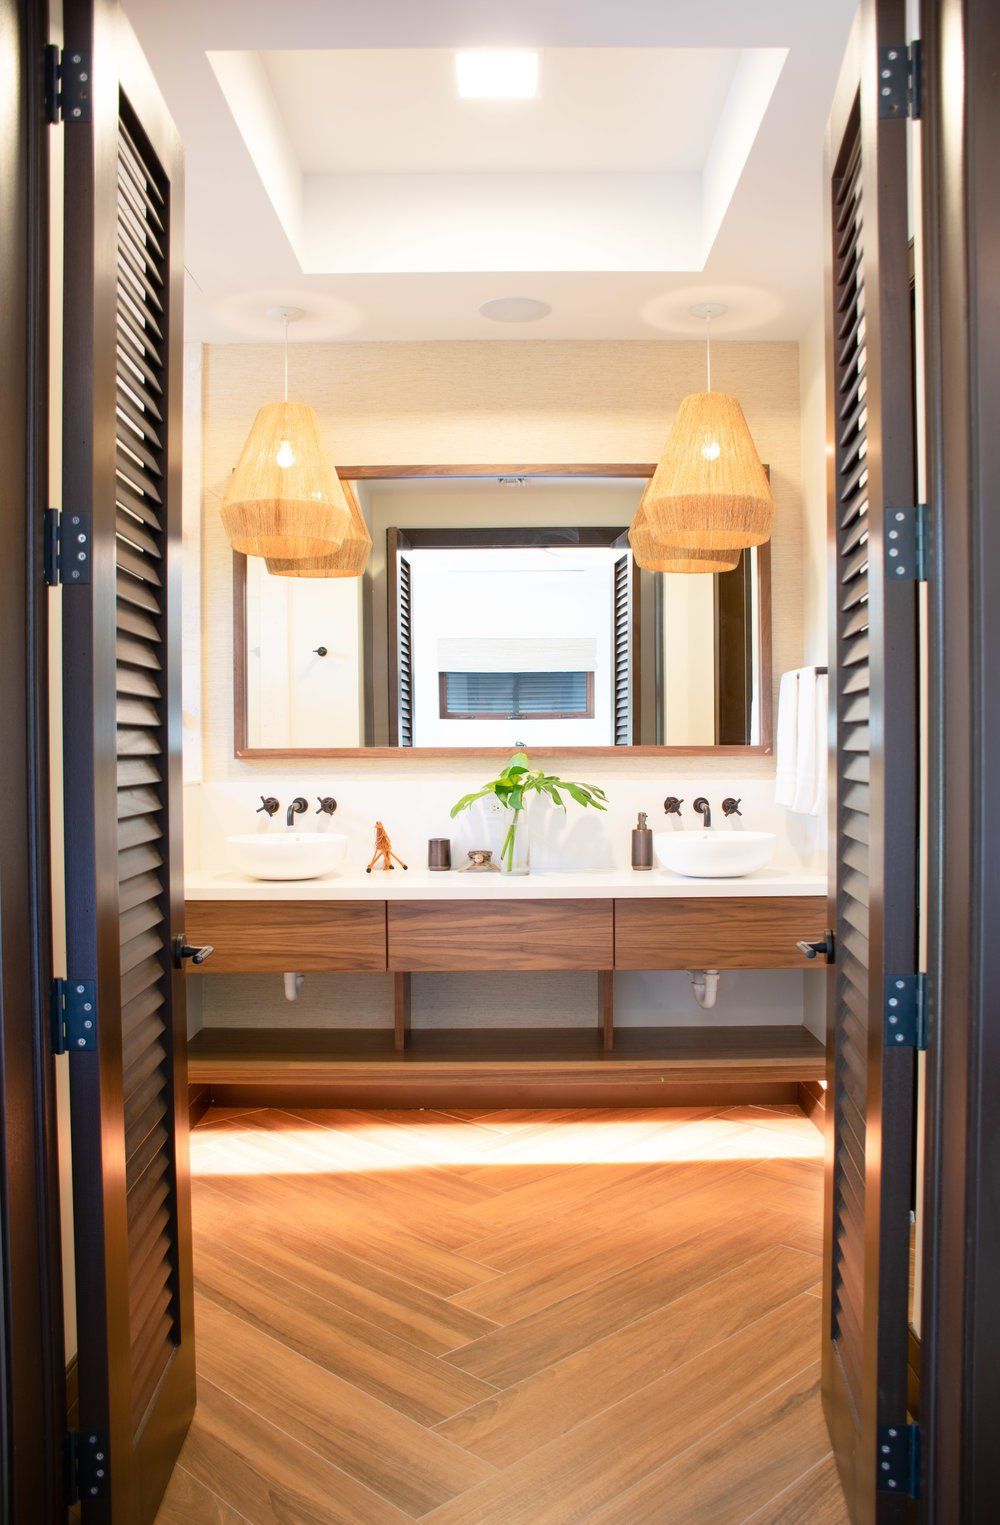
x,y
349,560
284,499
657,556
710,491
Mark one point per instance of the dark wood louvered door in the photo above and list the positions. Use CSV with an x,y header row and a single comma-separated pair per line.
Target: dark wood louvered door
x,y
121,678
874,781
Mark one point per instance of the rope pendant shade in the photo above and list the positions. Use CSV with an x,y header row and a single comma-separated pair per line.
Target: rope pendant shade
x,y
710,491
285,499
349,560
658,556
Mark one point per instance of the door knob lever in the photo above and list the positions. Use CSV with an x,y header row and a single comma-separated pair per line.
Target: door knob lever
x,y
823,945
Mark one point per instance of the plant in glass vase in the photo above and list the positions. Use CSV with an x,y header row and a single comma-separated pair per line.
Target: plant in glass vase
x,y
512,789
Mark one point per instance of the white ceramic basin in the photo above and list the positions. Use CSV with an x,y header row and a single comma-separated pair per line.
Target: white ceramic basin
x,y
715,853
287,854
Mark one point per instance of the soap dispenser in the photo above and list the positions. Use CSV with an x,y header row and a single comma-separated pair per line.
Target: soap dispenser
x,y
642,845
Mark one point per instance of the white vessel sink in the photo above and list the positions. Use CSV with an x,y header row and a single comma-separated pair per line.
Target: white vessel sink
x,y
287,854
714,854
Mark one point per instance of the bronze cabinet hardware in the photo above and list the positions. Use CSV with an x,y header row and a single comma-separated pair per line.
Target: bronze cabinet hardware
x,y
731,806
672,805
327,804
822,945
268,804
319,651
184,950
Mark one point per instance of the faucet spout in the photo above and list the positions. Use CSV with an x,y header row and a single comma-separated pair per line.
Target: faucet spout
x,y
704,809
295,808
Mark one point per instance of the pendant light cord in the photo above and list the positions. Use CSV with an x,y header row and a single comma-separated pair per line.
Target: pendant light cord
x,y
286,359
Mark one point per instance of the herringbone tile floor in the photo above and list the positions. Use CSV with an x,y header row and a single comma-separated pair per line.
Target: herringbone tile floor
x,y
522,1318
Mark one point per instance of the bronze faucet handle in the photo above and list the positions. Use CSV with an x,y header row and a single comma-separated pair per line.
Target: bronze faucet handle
x,y
327,805
731,806
672,805
268,804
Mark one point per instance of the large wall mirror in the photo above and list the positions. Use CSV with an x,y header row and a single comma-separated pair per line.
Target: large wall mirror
x,y
501,610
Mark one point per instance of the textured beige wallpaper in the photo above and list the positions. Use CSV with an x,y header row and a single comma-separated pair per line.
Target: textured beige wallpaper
x,y
497,402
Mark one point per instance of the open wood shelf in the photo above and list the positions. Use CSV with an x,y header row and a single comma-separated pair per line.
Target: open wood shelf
x,y
271,1065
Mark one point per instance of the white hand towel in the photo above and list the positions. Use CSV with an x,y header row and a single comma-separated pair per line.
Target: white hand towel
x,y
804,795
786,746
820,792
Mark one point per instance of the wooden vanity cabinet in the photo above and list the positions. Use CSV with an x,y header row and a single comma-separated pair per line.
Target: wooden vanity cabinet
x,y
281,936
498,935
731,932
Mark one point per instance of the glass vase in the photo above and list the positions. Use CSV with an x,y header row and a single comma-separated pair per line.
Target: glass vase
x,y
515,842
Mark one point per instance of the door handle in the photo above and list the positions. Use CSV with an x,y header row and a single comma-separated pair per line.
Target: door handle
x,y
183,950
823,945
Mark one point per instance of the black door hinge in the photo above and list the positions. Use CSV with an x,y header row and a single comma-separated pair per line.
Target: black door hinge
x,y
906,543
905,1011
66,557
73,1014
898,1466
899,81
67,84
87,1470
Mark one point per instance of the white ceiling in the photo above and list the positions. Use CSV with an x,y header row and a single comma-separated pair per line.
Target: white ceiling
x,y
394,111
673,156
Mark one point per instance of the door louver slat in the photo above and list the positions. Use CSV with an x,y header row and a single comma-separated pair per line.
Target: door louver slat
x,y
851,977
143,894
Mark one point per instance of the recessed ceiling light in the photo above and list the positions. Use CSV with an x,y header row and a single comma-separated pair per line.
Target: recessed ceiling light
x,y
497,74
515,310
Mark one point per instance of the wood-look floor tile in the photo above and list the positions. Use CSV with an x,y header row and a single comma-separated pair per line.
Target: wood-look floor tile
x,y
816,1497
361,1287
517,1351
515,1422
375,1360
590,1466
738,1468
401,1461
519,1318
427,1265
267,1477
188,1502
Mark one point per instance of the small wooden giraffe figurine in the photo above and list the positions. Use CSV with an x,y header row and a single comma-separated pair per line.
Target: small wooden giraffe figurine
x,y
383,850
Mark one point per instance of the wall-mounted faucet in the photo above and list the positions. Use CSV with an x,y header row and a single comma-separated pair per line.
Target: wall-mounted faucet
x,y
731,806
672,805
295,808
268,804
704,809
327,805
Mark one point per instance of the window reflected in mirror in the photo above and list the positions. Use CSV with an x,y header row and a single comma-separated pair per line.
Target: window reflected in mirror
x,y
493,615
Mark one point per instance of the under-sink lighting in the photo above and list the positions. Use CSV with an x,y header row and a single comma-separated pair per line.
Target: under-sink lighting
x,y
497,74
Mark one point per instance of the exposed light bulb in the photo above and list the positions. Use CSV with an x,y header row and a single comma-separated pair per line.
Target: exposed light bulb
x,y
711,449
286,455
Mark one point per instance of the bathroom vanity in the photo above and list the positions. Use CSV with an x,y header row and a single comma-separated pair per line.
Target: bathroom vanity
x,y
418,923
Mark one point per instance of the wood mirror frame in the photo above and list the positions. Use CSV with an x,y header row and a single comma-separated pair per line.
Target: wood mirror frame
x,y
644,469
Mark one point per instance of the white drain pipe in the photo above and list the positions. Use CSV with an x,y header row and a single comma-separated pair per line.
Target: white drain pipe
x,y
293,984
705,984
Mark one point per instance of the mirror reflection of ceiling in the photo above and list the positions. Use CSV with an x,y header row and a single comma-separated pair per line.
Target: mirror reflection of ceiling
x,y
670,156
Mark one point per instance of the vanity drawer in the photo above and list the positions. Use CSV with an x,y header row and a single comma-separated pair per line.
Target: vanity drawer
x,y
281,936
498,935
731,932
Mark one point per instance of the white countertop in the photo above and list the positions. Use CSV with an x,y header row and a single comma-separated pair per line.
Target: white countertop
x,y
420,884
